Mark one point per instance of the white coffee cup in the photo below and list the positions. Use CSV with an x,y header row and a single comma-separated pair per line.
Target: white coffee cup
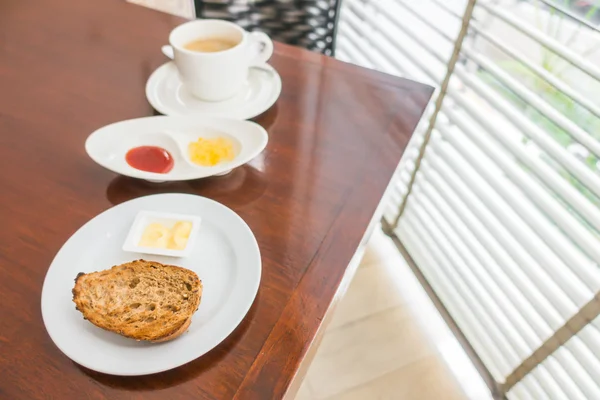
x,y
219,75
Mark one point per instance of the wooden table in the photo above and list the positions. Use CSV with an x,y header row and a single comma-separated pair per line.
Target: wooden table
x,y
336,136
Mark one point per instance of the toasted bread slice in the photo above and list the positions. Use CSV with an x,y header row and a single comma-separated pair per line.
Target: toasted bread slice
x,y
142,300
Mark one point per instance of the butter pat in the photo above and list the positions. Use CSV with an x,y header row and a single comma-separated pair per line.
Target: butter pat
x,y
181,233
155,235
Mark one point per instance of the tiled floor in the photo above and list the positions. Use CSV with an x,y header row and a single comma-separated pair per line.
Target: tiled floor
x,y
386,340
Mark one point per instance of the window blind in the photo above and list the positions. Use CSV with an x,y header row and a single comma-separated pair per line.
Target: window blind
x,y
502,215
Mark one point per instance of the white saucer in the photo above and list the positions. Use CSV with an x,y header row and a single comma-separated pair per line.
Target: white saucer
x,y
225,256
167,95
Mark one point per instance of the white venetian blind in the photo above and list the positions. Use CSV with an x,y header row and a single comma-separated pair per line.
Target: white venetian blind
x,y
503,218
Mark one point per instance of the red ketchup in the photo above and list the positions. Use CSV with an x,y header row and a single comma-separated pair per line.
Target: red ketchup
x,y
150,159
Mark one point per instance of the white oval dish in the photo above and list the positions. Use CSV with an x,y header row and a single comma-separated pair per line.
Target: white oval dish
x,y
108,145
225,256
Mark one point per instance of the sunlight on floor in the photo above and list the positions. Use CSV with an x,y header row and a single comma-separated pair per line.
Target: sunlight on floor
x,y
388,341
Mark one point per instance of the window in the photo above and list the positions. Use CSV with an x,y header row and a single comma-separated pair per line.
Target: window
x,y
503,214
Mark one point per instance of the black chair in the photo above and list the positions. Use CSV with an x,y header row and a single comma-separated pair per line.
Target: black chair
x,y
311,24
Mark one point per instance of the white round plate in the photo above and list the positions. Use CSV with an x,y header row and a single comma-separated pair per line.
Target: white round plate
x,y
225,257
108,145
168,95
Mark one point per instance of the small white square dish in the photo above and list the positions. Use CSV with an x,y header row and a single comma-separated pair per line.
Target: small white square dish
x,y
162,234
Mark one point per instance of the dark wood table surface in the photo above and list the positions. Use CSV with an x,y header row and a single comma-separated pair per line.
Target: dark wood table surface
x,y
336,136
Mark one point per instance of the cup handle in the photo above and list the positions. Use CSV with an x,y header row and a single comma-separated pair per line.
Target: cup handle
x,y
167,50
265,50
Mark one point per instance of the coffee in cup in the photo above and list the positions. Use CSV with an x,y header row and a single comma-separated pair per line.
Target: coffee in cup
x,y
213,57
210,45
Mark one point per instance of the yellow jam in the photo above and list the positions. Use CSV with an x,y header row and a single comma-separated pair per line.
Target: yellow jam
x,y
157,235
210,152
